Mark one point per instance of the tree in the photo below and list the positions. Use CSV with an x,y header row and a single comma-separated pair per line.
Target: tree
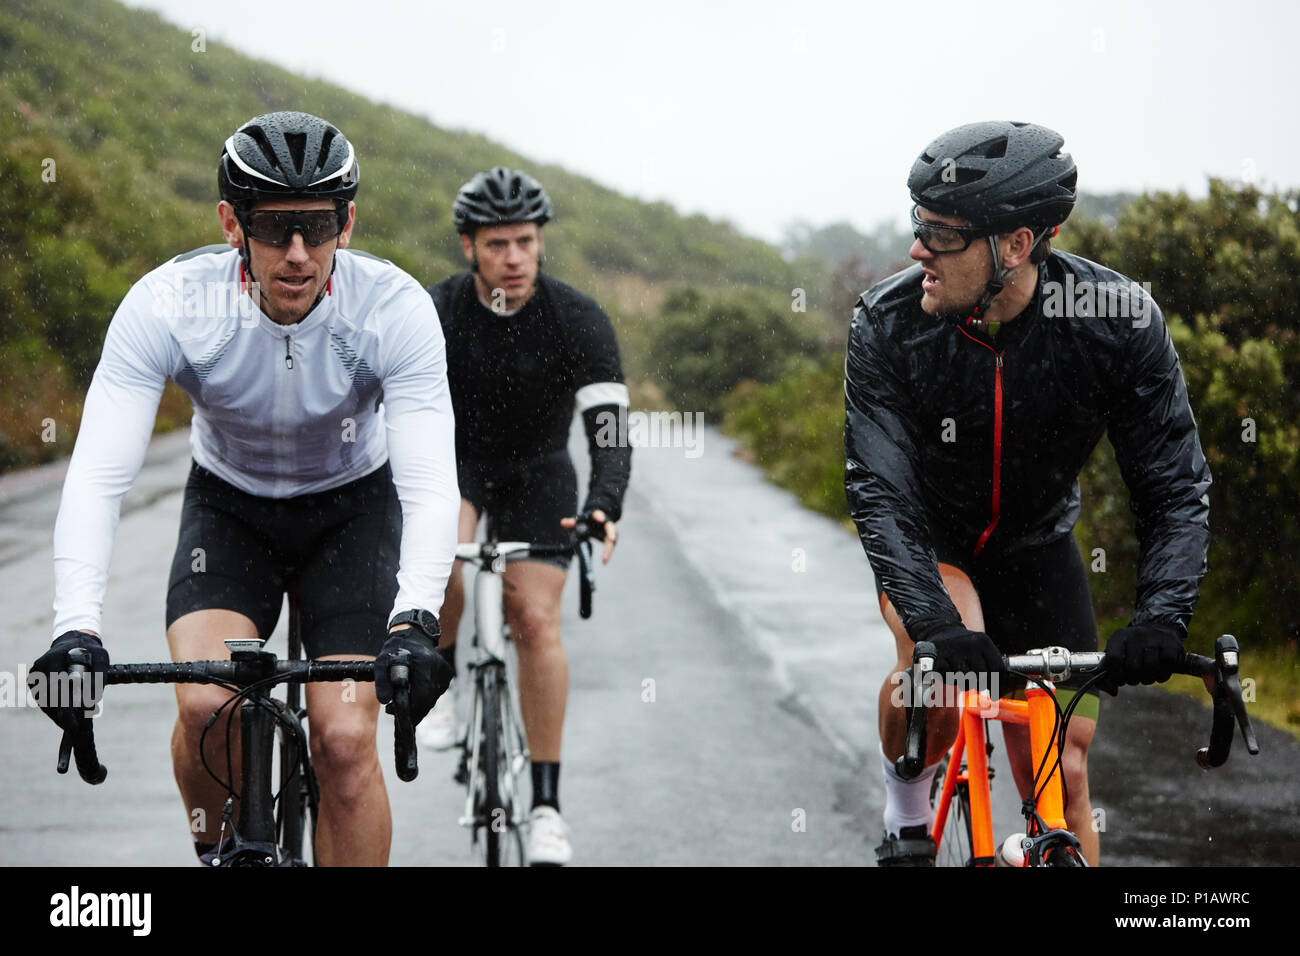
x,y
705,343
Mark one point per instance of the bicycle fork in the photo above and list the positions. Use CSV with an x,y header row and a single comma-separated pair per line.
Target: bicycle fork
x,y
256,844
1038,712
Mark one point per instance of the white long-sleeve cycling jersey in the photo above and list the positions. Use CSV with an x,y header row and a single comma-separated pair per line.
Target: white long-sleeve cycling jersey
x,y
279,410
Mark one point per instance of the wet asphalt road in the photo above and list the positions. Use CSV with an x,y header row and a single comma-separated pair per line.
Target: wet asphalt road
x,y
754,619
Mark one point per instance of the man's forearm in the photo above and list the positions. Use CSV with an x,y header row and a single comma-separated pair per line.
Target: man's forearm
x,y
611,461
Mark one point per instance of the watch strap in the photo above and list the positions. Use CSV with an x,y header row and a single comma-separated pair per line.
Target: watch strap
x,y
423,621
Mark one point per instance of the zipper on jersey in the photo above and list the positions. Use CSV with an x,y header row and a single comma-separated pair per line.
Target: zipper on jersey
x,y
997,439
288,356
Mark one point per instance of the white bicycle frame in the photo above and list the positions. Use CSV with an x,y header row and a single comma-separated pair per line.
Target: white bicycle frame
x,y
489,644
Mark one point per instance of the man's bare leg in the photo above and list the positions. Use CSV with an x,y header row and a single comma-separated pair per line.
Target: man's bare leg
x,y
941,722
355,825
533,593
199,635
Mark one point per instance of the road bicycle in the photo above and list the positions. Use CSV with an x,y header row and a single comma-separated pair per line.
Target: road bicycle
x,y
962,825
272,829
494,755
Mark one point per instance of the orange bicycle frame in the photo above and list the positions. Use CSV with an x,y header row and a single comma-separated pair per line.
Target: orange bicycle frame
x,y
1039,712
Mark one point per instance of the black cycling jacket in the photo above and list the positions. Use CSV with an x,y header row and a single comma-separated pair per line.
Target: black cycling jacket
x,y
986,436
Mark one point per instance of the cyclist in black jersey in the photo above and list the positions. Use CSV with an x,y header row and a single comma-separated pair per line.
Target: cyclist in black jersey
x,y
524,349
976,385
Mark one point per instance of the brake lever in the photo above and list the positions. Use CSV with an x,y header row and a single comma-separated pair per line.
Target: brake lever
x,y
1228,706
405,756
587,585
912,762
1227,656
65,752
585,532
81,742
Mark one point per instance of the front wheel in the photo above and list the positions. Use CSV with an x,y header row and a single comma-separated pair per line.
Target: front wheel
x,y
502,841
1060,848
1066,858
299,795
955,843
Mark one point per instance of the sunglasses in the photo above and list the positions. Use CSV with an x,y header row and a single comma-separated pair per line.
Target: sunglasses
x,y
940,239
276,227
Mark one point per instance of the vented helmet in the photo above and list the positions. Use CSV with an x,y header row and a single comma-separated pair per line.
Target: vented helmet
x,y
998,175
287,155
500,196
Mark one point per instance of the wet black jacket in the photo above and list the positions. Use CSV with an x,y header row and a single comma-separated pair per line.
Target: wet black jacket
x,y
986,436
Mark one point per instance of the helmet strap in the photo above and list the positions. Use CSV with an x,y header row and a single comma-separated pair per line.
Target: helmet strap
x,y
246,281
1048,233
245,260
1000,276
992,288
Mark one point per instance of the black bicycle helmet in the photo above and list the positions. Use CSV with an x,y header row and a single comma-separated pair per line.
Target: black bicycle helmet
x,y
999,175
499,196
287,154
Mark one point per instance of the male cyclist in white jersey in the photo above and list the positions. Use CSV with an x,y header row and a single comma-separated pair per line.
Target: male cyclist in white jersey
x,y
523,351
324,461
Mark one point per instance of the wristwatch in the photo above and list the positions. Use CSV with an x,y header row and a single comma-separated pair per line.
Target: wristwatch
x,y
422,621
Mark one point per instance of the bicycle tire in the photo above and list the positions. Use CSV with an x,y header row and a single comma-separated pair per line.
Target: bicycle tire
x,y
298,797
1064,857
289,810
299,794
502,840
491,763
956,846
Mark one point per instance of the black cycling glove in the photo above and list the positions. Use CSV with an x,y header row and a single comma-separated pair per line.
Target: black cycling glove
x,y
959,650
431,673
595,529
1141,654
63,703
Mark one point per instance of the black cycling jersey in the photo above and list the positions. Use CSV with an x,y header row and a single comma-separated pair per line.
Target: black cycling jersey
x,y
987,436
514,380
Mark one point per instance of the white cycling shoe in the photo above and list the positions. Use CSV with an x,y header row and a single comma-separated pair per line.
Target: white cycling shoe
x,y
438,729
548,838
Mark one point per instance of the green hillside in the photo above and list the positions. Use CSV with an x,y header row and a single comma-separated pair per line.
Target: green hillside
x,y
108,154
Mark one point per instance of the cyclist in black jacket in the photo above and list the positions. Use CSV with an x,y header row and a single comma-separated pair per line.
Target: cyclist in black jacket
x,y
974,394
524,349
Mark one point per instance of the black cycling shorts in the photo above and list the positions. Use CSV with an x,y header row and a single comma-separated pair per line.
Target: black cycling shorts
x,y
240,552
1033,598
525,500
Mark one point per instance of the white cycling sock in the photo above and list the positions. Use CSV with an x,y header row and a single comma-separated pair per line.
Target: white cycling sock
x,y
907,802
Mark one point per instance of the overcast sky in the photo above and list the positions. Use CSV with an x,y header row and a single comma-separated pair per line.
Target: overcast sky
x,y
762,113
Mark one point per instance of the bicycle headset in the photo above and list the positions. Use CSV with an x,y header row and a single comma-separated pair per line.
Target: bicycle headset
x,y
999,176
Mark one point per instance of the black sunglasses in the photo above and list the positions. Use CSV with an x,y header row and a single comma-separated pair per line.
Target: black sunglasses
x,y
941,239
276,227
